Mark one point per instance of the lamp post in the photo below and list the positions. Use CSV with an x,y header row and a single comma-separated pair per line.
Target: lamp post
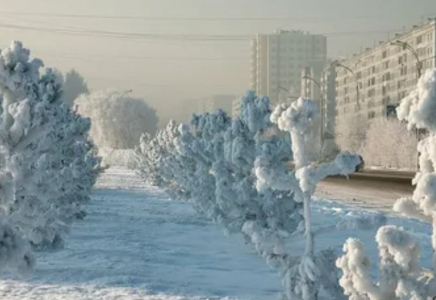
x,y
407,46
322,104
338,64
288,92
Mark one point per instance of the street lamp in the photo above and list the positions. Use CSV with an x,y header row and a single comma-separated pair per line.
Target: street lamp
x,y
338,64
407,46
287,91
322,104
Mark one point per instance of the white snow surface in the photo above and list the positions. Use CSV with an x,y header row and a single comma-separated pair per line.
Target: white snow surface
x,y
137,244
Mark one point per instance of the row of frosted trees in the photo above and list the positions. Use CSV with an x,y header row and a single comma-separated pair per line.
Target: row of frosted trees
x,y
48,164
237,173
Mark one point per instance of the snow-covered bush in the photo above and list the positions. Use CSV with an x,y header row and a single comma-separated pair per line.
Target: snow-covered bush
x,y
118,120
48,164
389,144
401,276
235,172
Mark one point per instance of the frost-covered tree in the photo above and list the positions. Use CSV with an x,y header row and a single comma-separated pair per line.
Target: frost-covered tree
x,y
351,132
383,136
48,164
118,120
74,86
235,172
312,271
401,276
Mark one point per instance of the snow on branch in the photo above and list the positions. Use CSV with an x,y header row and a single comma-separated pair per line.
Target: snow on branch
x,y
305,279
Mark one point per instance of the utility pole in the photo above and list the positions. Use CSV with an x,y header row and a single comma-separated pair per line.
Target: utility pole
x,y
322,110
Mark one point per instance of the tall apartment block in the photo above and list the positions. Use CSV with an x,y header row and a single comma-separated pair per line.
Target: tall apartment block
x,y
277,61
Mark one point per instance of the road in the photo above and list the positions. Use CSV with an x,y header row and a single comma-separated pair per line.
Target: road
x,y
385,176
369,189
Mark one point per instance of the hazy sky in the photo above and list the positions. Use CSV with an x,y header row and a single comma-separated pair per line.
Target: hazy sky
x,y
153,57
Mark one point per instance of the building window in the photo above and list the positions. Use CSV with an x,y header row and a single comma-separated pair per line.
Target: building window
x,y
385,54
403,71
419,40
387,76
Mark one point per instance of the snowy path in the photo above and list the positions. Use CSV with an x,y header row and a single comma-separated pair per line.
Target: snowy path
x,y
135,244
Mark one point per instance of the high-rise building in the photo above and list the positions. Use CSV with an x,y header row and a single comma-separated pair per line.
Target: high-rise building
x,y
277,61
373,83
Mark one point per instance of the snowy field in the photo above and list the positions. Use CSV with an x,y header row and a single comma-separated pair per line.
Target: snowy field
x,y
137,244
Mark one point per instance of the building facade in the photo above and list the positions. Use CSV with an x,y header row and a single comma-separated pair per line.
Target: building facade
x,y
236,107
277,61
374,82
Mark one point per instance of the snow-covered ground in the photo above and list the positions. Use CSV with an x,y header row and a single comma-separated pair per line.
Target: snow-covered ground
x,y
137,244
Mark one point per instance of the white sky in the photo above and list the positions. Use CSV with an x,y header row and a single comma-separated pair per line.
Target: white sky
x,y
168,71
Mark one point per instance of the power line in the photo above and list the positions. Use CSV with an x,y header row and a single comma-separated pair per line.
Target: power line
x,y
129,35
165,37
157,58
199,19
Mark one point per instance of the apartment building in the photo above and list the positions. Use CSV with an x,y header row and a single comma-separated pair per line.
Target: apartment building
x,y
373,83
277,61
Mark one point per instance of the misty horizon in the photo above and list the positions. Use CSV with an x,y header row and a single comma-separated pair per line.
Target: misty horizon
x,y
173,52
